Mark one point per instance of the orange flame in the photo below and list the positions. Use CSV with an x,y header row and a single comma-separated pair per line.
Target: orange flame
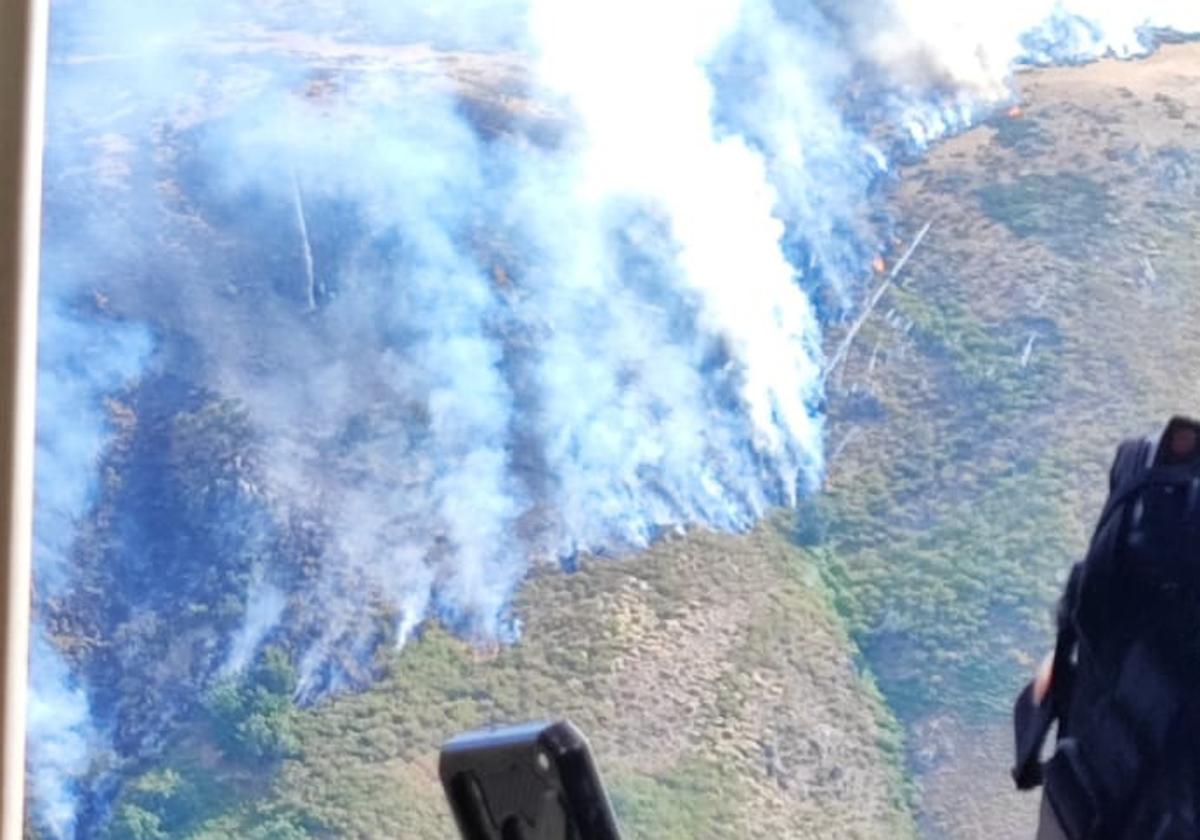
x,y
1015,112
878,264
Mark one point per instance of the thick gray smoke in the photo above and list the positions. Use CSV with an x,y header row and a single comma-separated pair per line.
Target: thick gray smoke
x,y
61,736
83,359
495,282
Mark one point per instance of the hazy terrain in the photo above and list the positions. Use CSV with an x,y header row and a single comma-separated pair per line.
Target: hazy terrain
x,y
843,670
728,682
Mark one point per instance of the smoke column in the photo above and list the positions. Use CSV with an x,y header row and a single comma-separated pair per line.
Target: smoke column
x,y
494,284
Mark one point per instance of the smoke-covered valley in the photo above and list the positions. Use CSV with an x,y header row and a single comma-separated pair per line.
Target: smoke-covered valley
x,y
354,312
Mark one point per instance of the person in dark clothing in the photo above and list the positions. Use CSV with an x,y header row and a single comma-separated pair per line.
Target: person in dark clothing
x,y
1123,682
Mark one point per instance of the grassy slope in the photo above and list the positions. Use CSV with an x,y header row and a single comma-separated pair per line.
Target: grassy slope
x,y
717,684
970,472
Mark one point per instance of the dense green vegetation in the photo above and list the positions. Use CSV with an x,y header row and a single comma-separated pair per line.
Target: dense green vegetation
x,y
224,759
254,716
1066,208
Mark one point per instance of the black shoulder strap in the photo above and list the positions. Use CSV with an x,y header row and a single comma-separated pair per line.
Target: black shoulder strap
x,y
1032,720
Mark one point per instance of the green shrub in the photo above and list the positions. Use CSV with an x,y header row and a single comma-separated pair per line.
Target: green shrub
x,y
254,716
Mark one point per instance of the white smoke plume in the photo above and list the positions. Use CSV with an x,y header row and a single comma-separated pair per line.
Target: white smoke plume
x,y
264,608
61,737
495,282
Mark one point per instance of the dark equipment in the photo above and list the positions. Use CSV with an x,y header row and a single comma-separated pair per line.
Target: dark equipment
x,y
1125,684
531,782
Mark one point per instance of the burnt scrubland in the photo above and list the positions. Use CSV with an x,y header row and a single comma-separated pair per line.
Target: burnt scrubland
x,y
841,671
